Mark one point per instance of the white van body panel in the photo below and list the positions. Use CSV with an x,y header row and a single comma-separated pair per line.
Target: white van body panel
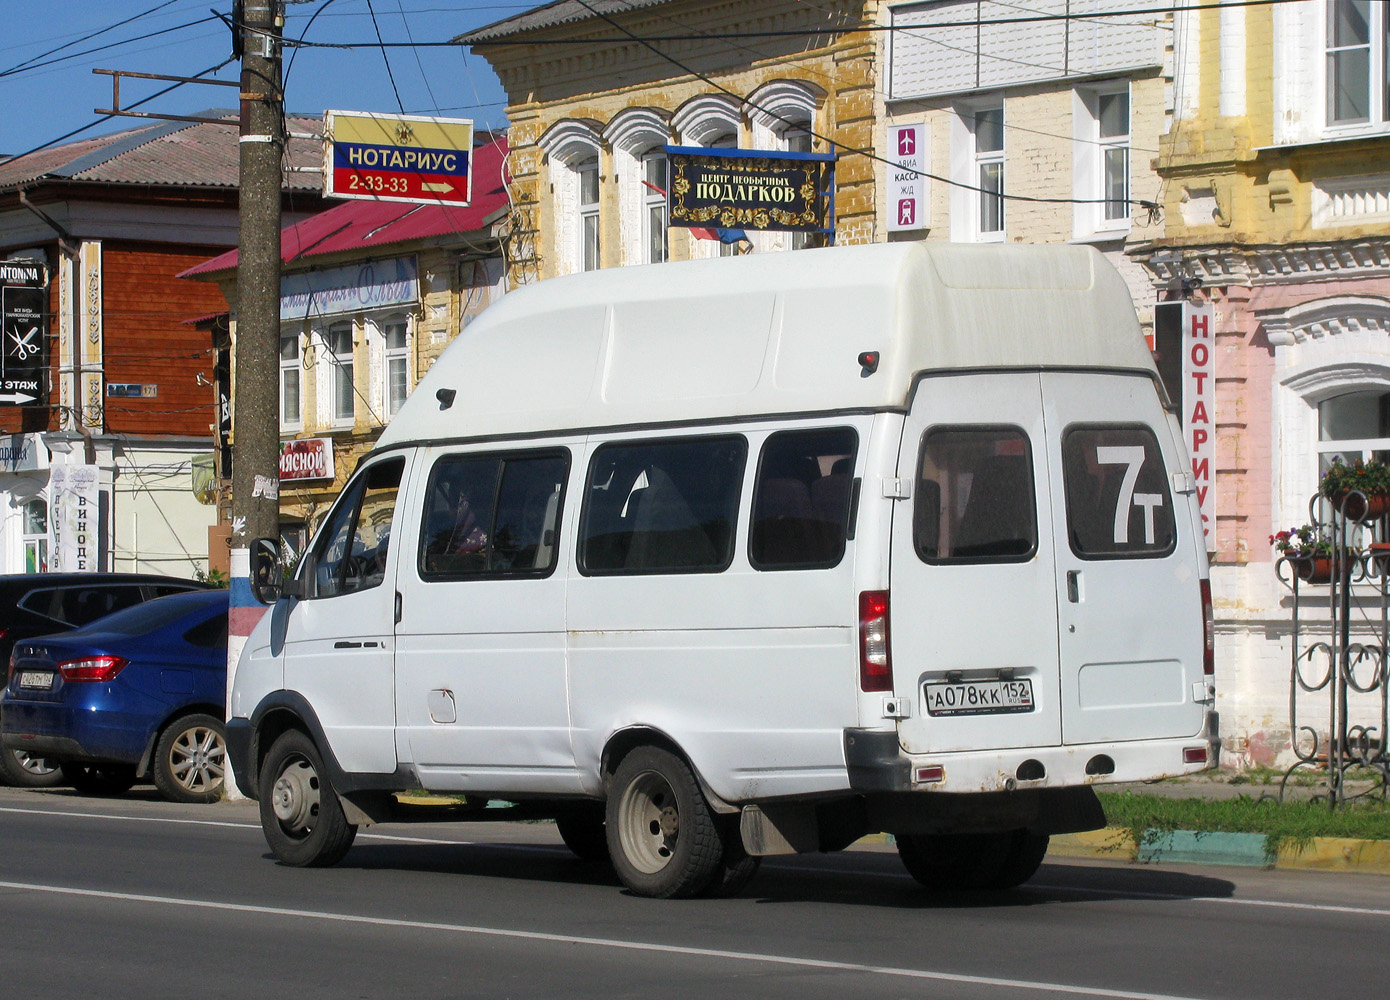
x,y
723,339
518,685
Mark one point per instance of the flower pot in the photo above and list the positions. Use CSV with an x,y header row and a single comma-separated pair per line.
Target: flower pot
x,y
1379,558
1312,569
1361,506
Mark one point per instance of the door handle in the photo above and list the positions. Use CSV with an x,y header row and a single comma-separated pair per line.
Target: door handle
x,y
398,607
1074,586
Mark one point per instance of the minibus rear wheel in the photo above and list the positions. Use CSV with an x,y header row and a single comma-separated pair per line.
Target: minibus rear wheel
x,y
965,861
661,833
300,813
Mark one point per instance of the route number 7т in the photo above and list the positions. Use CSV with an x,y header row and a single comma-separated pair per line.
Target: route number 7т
x,y
1132,457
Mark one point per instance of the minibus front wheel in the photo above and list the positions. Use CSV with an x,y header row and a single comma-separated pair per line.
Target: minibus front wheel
x,y
301,816
662,836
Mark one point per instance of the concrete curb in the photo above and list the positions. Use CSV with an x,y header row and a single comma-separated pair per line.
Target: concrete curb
x,y
1240,849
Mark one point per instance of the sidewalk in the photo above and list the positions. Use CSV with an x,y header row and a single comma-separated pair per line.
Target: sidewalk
x,y
1210,848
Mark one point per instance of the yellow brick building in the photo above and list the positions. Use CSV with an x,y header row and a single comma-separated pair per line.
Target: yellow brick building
x,y
591,108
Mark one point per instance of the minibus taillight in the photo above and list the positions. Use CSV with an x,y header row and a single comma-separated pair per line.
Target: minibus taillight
x,y
92,668
1208,632
875,669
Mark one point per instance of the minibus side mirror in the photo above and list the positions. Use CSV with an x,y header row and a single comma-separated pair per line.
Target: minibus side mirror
x,y
267,572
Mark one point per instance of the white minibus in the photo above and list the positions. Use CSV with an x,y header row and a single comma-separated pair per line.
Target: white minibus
x,y
727,558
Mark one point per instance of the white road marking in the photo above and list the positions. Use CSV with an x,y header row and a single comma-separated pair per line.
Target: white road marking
x,y
799,869
572,939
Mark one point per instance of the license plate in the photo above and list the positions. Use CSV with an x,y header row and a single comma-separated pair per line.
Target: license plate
x,y
36,679
979,697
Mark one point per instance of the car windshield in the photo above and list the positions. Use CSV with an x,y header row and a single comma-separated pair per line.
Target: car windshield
x,y
152,615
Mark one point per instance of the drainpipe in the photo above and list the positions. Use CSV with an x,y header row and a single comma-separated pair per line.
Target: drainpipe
x,y
68,244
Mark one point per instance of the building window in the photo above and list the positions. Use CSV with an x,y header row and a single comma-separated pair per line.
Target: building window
x,y
291,414
36,536
1352,426
797,139
988,131
1357,88
1113,119
343,392
654,184
1102,160
397,364
588,215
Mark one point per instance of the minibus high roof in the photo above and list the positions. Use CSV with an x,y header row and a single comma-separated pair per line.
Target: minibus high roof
x,y
766,334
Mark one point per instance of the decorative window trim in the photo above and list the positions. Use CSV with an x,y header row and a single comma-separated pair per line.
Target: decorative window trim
x,y
1322,348
777,102
327,366
632,134
701,120
568,144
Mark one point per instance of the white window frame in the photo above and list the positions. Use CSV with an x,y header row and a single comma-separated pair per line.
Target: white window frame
x,y
634,134
36,541
776,112
588,254
967,165
655,244
1377,50
331,384
294,366
394,356
1089,154
571,145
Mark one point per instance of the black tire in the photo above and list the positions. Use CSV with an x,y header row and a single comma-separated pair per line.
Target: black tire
x,y
24,770
583,831
661,835
736,866
301,816
972,861
98,779
190,759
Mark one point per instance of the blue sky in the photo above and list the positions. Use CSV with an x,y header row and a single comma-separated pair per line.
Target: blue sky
x,y
45,101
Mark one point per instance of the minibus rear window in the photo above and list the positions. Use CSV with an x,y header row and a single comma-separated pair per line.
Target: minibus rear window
x,y
801,499
1118,504
974,499
662,506
492,515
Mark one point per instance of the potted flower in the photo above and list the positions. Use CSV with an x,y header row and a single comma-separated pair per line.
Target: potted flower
x,y
1308,548
1342,483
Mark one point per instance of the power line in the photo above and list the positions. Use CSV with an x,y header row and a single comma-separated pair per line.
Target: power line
x,y
88,37
380,41
794,32
17,70
1033,199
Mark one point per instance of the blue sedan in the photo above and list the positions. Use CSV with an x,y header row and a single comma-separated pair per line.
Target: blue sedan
x,y
139,692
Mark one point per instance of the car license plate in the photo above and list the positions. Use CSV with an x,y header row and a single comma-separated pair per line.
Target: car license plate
x,y
979,697
36,679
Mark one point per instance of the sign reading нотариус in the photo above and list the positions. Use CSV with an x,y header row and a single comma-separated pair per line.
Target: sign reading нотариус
x,y
1199,405
409,158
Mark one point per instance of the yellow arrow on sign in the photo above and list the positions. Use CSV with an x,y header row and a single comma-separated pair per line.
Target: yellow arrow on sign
x,y
436,188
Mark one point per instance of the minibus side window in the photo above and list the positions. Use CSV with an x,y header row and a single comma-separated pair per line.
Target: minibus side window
x,y
353,545
1118,504
801,499
974,499
662,506
492,515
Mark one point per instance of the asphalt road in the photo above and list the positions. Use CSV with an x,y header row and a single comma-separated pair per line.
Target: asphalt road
x,y
134,897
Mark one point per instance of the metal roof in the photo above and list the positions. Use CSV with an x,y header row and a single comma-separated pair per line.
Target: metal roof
x,y
165,154
552,14
358,224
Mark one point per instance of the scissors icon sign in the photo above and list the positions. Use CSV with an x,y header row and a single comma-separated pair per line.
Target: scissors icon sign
x,y
24,346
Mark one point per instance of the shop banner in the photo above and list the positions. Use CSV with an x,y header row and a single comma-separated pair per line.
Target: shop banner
x,y
24,356
1199,406
75,503
306,458
355,288
749,189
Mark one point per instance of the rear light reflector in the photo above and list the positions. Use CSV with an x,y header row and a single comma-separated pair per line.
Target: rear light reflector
x,y
1194,755
92,668
875,668
930,775
1208,632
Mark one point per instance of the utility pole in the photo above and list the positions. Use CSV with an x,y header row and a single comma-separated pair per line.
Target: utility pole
x,y
256,411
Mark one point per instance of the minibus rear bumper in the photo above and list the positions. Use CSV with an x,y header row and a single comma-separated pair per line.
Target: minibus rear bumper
x,y
876,762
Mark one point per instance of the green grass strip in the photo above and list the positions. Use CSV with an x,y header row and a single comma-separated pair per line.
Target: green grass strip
x,y
1148,817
